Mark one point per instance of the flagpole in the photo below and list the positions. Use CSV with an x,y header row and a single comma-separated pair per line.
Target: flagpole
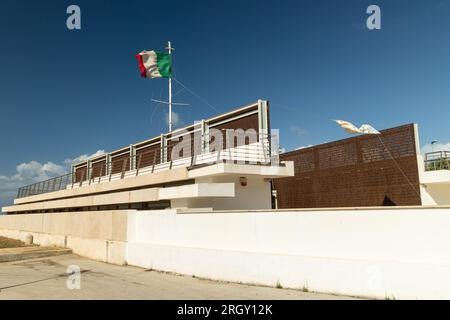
x,y
170,49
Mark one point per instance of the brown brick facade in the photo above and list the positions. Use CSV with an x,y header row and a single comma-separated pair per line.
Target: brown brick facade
x,y
354,172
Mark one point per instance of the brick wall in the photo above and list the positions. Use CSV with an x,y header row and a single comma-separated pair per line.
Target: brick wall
x,y
354,172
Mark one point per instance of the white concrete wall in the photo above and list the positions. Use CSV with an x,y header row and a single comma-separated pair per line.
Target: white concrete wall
x,y
401,253
375,252
434,185
99,235
255,195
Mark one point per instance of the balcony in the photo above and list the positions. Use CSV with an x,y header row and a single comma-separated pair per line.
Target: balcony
x,y
439,160
95,171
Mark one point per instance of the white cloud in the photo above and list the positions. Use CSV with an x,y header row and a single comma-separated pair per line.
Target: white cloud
x,y
32,172
304,147
436,147
296,130
83,157
176,120
27,173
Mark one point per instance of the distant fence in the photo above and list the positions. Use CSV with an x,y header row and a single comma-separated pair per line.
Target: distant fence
x,y
54,184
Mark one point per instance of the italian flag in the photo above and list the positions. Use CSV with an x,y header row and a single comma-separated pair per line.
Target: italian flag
x,y
154,64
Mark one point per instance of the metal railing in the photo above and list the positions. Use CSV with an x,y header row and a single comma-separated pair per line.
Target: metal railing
x,y
50,185
439,160
155,160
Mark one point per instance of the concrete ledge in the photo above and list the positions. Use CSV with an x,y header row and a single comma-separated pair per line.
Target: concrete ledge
x,y
24,253
176,174
124,197
244,169
99,235
50,227
102,250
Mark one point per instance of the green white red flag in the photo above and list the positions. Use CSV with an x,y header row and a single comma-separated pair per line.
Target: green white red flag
x,y
154,64
351,128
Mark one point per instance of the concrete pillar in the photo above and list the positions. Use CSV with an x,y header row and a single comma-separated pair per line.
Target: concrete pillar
x,y
108,163
132,157
88,169
163,148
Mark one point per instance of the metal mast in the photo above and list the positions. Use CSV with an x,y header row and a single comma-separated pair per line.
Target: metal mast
x,y
170,49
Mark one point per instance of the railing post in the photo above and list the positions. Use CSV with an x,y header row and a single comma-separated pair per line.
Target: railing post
x,y
110,168
88,170
138,164
132,157
218,155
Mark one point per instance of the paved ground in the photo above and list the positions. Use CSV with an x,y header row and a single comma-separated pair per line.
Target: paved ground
x,y
46,278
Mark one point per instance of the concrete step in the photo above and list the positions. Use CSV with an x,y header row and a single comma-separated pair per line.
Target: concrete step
x,y
25,253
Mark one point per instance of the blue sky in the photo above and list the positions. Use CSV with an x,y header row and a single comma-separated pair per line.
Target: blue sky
x,y
65,94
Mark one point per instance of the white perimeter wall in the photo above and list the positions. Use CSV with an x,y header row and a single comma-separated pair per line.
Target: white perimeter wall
x,y
99,235
401,253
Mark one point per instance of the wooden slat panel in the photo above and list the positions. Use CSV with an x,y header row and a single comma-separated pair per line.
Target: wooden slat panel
x,y
98,169
120,163
81,174
148,156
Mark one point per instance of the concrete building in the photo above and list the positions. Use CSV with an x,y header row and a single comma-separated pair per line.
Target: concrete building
x,y
228,162
197,201
225,162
